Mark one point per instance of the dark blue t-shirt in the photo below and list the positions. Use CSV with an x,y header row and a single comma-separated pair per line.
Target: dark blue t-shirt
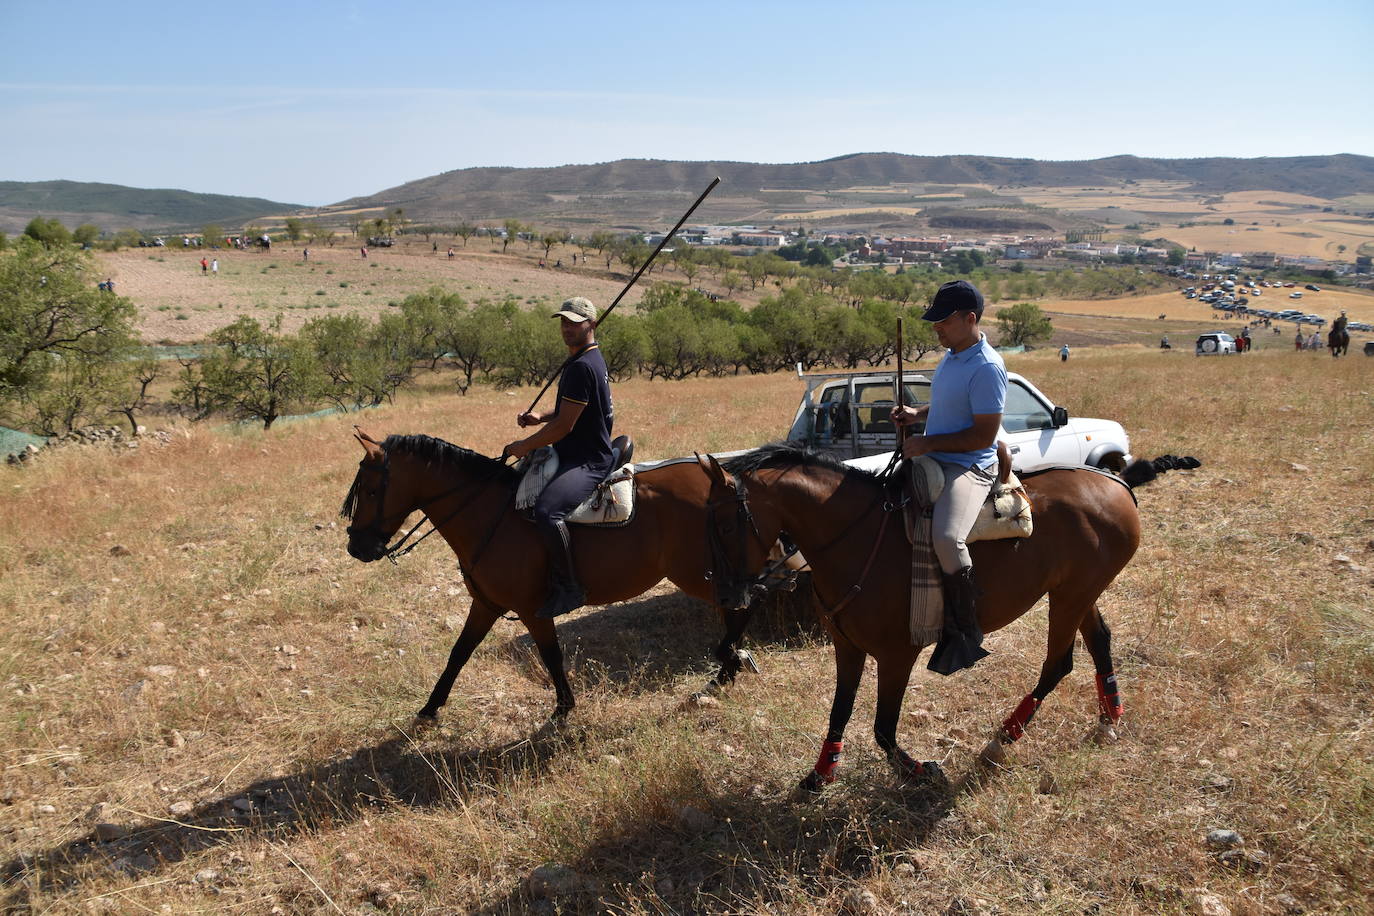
x,y
586,382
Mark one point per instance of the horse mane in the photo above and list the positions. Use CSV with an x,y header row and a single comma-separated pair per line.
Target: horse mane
x,y
788,455
436,453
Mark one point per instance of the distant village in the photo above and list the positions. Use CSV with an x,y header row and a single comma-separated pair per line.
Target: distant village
x,y
1025,252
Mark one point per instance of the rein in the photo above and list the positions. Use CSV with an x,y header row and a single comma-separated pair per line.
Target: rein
x,y
400,549
758,584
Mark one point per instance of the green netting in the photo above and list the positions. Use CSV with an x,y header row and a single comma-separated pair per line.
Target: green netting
x,y
185,351
12,441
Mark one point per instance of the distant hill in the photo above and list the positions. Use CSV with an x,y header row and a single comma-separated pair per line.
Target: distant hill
x,y
113,206
647,191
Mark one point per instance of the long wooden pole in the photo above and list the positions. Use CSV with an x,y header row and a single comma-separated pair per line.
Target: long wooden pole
x,y
643,267
899,396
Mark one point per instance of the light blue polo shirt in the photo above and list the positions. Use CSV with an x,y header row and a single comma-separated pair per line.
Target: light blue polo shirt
x,y
973,381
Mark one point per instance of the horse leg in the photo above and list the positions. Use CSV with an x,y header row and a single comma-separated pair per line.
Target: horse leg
x,y
731,657
546,640
849,670
1058,663
893,675
481,616
1098,637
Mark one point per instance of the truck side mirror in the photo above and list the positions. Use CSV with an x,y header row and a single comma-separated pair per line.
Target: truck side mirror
x,y
1060,417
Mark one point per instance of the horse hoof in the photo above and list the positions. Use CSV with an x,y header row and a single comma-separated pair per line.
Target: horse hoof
x,y
424,722
1103,733
993,754
746,660
813,783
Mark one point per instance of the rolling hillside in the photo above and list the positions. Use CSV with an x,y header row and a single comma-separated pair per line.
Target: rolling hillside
x,y
639,190
113,206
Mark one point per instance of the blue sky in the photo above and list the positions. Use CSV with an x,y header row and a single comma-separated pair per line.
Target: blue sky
x,y
316,102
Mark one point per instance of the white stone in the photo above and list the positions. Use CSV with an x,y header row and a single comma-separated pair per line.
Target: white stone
x,y
553,880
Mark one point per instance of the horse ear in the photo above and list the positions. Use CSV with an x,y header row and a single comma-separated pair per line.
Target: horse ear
x,y
370,445
711,467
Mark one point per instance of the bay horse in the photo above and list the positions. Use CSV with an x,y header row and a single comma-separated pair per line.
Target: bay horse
x,y
1338,340
470,499
1086,529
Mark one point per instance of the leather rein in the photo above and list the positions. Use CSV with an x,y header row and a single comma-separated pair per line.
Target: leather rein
x,y
400,549
760,584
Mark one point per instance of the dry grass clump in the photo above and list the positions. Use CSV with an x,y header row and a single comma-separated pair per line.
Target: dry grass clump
x,y
188,645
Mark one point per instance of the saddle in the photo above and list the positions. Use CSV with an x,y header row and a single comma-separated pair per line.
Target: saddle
x,y
612,503
1006,513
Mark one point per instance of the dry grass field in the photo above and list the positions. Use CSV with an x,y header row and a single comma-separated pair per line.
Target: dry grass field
x,y
190,659
179,303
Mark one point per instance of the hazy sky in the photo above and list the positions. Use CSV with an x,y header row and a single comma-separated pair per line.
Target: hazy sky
x,y
314,102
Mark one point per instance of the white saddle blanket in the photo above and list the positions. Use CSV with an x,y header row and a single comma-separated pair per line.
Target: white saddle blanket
x,y
611,503
1005,514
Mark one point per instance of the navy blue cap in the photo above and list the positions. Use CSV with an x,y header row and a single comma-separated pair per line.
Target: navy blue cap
x,y
954,296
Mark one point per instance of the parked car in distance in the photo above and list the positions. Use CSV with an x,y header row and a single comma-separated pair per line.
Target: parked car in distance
x,y
1313,287
847,415
1216,343
1295,295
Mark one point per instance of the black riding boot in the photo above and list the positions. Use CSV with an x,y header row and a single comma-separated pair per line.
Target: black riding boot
x,y
565,594
961,642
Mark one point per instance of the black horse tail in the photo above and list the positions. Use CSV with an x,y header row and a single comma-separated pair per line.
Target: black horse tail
x,y
1140,472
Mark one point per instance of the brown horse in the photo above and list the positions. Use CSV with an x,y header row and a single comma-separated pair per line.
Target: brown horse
x,y
1338,340
1086,530
470,499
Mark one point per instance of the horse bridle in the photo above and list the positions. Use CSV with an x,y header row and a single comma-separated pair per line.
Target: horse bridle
x,y
760,584
721,571
375,527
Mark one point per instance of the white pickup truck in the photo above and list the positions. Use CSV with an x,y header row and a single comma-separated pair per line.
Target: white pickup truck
x,y
847,415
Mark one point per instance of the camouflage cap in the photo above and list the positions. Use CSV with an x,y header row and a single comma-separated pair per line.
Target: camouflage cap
x,y
578,308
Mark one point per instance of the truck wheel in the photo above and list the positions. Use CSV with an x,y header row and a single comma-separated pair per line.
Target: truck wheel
x,y
1112,461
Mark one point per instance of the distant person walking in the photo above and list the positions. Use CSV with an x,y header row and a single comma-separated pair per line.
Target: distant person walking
x,y
305,254
1297,340
214,266
364,251
204,266
1064,353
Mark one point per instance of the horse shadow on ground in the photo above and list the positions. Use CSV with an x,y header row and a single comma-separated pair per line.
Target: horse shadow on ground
x,y
393,772
723,850
726,849
397,772
743,853
652,641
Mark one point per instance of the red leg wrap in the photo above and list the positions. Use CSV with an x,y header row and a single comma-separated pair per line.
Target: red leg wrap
x,y
1108,698
829,760
1015,725
908,767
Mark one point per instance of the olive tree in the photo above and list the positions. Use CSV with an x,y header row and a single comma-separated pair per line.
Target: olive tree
x,y
60,339
1023,323
257,373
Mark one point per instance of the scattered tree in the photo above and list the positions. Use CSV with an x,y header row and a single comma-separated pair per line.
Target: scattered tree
x,y
48,232
86,234
258,373
59,336
1023,323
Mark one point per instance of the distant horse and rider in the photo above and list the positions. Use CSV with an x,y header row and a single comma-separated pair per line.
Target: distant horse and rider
x,y
1338,339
